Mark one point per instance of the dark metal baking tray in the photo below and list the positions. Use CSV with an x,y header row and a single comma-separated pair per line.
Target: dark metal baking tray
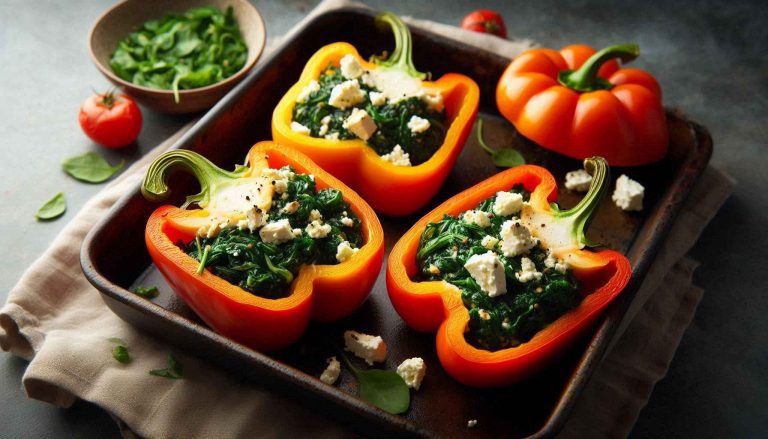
x,y
114,256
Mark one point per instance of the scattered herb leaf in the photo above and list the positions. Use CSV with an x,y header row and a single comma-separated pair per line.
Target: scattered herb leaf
x,y
383,388
90,167
174,370
146,292
502,158
53,208
120,351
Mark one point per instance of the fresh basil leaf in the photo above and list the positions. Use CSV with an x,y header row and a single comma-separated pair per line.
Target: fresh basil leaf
x,y
507,158
90,167
384,389
120,351
53,208
146,292
174,370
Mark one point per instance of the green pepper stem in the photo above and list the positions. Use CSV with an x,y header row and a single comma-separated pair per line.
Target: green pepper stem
x,y
402,56
585,79
154,187
581,214
480,139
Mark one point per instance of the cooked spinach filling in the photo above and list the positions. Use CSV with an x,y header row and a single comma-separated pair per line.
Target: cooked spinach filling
x,y
391,120
266,269
505,320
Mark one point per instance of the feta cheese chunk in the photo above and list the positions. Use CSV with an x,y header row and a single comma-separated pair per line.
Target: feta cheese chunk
x,y
433,100
377,99
482,219
370,348
489,242
516,238
316,229
488,271
350,67
344,251
527,271
417,124
578,180
277,232
331,372
412,371
312,87
507,203
299,128
552,262
360,123
347,221
255,218
397,157
347,94
315,215
291,207
628,194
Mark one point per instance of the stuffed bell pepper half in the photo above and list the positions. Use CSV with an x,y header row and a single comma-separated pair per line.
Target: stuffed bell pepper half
x,y
268,246
503,276
379,126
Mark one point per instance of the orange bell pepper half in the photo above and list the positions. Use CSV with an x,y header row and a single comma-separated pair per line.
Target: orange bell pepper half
x,y
437,305
319,292
580,104
357,164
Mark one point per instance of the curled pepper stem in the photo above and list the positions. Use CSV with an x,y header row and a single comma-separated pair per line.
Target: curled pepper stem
x,y
402,57
582,214
585,79
210,176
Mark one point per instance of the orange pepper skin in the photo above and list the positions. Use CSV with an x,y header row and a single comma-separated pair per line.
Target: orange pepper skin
x,y
437,306
319,292
625,124
358,165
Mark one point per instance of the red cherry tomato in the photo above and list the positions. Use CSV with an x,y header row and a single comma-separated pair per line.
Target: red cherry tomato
x,y
111,120
485,21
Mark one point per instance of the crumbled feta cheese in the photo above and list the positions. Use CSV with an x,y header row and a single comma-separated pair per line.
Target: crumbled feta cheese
x,y
485,315
296,232
527,271
412,371
283,173
315,215
312,87
628,194
397,157
488,271
472,423
482,219
433,269
516,238
377,99
281,186
284,196
291,207
276,232
507,203
323,130
552,262
317,230
333,136
433,100
331,372
417,124
578,180
368,80
360,123
344,251
346,94
255,218
347,221
299,128
368,347
350,67
489,242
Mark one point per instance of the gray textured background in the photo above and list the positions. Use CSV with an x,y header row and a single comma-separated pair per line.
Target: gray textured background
x,y
711,58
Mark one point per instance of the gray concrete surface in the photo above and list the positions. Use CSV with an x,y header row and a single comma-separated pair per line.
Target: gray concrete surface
x,y
710,56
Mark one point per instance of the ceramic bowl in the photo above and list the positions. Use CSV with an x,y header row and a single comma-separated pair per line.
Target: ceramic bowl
x,y
128,16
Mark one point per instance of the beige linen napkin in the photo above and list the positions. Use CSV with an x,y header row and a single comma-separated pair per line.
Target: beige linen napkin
x,y
56,320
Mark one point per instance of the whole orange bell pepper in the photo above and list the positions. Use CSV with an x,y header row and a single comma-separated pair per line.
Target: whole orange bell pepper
x,y
580,104
357,164
319,292
437,305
